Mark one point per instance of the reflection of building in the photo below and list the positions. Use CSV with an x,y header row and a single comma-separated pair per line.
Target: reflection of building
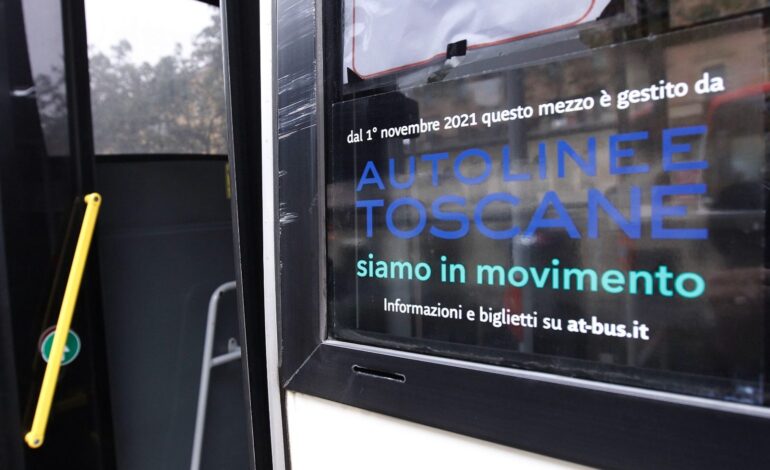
x,y
735,146
731,56
734,52
686,12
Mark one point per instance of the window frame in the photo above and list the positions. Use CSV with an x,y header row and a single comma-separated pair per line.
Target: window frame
x,y
582,421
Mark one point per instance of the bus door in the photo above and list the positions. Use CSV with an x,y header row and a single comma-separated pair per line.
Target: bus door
x,y
124,100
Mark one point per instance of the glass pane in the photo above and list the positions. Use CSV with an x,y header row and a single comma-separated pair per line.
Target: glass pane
x,y
43,28
597,214
156,77
685,12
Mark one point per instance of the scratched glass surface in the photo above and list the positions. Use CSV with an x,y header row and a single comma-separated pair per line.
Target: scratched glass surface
x,y
600,213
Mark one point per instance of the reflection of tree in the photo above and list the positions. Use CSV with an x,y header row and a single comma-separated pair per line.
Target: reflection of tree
x,y
50,91
173,106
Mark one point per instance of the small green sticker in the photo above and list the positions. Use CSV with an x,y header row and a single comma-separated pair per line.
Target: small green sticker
x,y
71,347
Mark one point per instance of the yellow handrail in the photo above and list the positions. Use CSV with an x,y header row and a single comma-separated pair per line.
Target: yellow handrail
x,y
35,436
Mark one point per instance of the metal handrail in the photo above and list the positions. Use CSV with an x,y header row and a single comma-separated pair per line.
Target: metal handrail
x,y
209,362
34,438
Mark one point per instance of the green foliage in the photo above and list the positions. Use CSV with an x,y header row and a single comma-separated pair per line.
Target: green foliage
x,y
176,105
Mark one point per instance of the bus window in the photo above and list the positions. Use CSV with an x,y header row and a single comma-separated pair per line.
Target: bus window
x,y
156,84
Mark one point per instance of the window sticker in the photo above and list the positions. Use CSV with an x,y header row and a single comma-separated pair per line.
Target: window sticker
x,y
600,215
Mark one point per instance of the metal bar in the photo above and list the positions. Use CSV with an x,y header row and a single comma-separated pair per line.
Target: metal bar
x,y
203,392
83,168
36,435
225,358
250,84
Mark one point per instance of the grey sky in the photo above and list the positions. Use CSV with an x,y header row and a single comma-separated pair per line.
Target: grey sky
x,y
153,27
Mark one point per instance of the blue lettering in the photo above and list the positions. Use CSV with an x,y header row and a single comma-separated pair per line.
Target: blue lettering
x,y
470,153
507,176
434,158
406,201
370,205
410,180
478,216
670,148
661,211
588,165
365,179
459,217
617,153
631,226
542,154
562,219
